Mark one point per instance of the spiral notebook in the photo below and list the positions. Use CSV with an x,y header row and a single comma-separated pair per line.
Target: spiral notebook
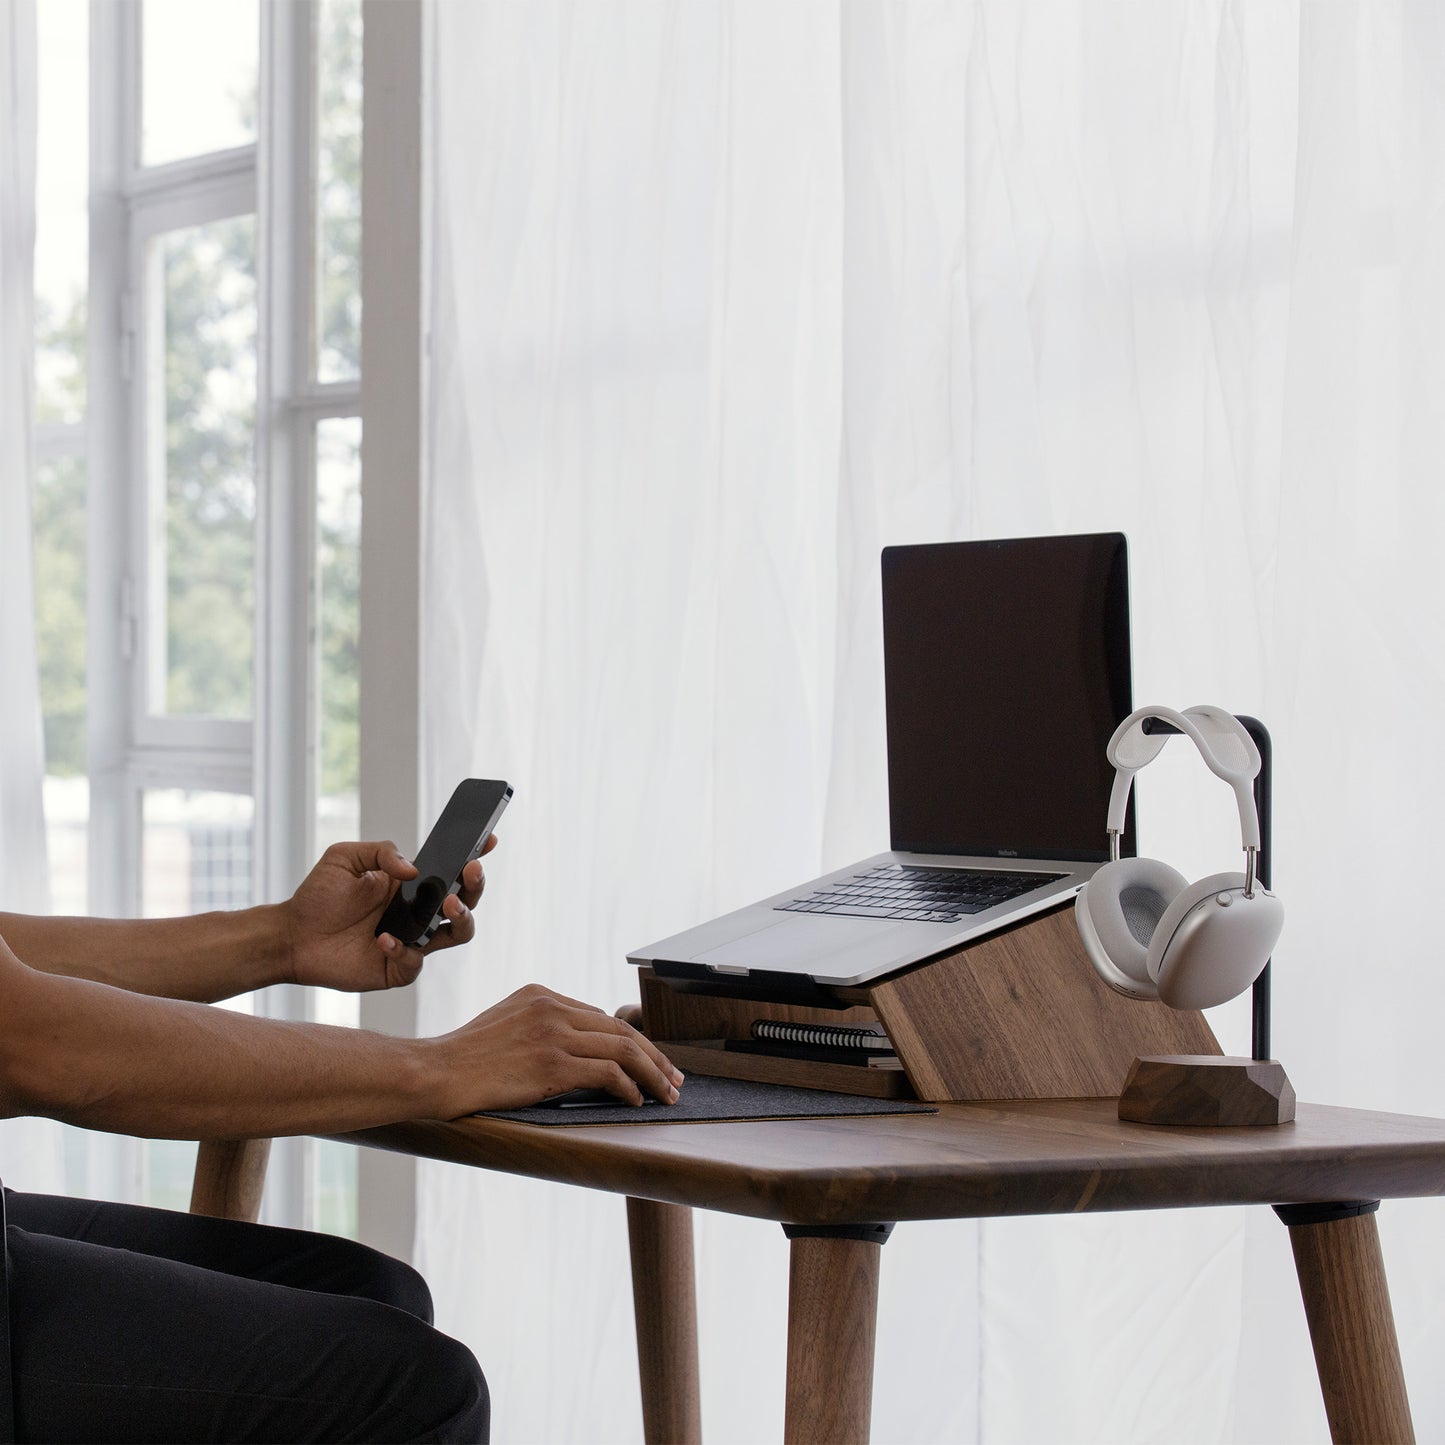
x,y
866,1046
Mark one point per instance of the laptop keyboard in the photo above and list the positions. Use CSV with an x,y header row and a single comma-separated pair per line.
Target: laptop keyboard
x,y
927,895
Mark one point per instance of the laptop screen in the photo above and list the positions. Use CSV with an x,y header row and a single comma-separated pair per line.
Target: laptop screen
x,y
1007,670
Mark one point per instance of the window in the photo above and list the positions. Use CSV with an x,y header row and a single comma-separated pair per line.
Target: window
x,y
198,491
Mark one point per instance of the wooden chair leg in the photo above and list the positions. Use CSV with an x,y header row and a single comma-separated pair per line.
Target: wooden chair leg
x,y
1352,1327
230,1174
664,1295
832,1318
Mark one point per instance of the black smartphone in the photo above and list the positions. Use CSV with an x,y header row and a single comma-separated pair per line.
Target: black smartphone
x,y
467,821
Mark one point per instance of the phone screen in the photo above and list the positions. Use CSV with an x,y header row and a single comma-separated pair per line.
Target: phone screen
x,y
464,826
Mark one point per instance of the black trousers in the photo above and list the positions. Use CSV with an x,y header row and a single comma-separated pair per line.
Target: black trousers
x,y
132,1324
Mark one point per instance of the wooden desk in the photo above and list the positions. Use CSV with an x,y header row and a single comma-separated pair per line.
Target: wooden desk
x,y
820,1177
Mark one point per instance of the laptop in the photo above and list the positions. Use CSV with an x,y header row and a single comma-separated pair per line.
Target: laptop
x,y
1006,671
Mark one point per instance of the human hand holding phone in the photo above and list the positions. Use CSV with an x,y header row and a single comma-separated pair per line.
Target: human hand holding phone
x,y
330,926
459,837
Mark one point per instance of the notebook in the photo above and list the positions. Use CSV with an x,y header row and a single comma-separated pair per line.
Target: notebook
x,y
1006,671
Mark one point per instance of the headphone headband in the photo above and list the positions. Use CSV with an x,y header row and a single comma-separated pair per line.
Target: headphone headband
x,y
1227,749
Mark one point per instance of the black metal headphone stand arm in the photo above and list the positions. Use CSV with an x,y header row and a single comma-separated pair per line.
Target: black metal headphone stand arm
x,y
1260,1012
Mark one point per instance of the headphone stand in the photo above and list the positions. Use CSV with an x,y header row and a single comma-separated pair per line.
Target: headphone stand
x,y
1191,1089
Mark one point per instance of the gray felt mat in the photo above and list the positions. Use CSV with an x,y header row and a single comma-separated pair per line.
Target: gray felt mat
x,y
707,1100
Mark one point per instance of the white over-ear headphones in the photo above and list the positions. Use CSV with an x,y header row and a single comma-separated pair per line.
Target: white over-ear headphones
x,y
1149,932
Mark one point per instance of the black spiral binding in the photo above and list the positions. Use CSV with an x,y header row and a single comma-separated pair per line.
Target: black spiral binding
x,y
821,1036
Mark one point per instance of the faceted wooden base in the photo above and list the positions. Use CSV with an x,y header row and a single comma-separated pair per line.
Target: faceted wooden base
x,y
1192,1089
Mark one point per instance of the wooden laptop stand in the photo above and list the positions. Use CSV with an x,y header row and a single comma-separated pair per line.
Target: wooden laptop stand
x,y
1018,1015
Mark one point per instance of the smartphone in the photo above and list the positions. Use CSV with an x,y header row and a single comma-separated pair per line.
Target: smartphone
x,y
467,821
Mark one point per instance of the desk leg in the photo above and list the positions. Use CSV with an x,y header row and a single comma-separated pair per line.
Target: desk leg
x,y
664,1299
832,1315
1347,1303
229,1177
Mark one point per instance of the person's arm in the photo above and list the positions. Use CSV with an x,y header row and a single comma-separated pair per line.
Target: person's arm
x,y
204,958
322,935
110,1059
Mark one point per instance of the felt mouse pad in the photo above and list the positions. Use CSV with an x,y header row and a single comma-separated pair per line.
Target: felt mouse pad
x,y
708,1100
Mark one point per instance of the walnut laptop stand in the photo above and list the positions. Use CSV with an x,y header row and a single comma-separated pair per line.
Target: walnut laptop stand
x,y
1017,1015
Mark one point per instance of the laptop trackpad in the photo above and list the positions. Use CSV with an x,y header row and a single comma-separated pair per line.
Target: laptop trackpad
x,y
798,941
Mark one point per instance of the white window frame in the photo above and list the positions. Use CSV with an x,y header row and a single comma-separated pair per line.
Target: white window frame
x,y
170,746
273,757
131,747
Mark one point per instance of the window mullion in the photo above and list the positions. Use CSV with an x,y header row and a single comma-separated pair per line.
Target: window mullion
x,y
206,198
221,770
283,524
114,1163
114,868
283,478
216,169
328,399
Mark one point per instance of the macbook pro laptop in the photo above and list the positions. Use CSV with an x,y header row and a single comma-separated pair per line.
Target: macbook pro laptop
x,y
1006,671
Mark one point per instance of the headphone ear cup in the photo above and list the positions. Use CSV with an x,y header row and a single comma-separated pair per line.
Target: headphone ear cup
x,y
1118,912
1217,955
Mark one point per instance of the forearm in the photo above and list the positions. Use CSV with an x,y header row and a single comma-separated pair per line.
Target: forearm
x,y
106,1059
208,957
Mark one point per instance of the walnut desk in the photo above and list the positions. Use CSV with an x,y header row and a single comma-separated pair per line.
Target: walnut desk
x,y
838,1185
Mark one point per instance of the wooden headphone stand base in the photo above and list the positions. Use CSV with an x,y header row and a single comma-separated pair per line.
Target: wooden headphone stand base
x,y
1194,1089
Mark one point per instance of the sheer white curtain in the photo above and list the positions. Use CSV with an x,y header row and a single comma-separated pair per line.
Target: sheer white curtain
x,y
29,1148
726,297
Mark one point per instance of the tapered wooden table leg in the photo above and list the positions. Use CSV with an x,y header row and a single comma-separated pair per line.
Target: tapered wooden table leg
x,y
832,1315
1347,1303
229,1177
664,1298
